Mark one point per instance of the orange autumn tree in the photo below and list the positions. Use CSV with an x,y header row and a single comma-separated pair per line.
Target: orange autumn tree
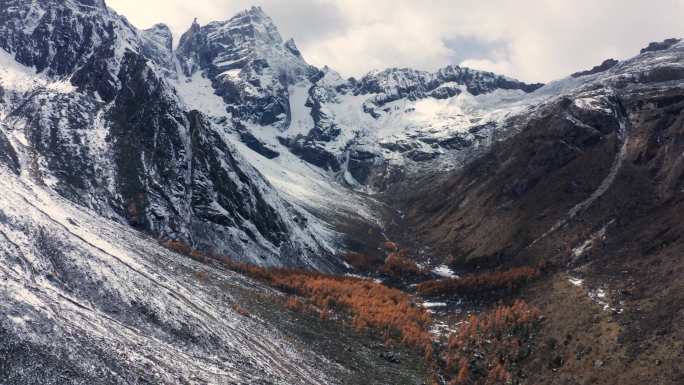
x,y
490,341
398,265
370,304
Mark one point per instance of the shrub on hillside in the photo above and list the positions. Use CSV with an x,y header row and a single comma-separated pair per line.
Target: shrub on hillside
x,y
397,265
370,304
390,247
178,247
185,249
485,347
240,310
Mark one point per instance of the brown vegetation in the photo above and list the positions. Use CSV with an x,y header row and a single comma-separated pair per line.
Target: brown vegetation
x,y
390,247
372,306
202,276
490,343
474,284
483,351
240,310
294,304
178,247
398,265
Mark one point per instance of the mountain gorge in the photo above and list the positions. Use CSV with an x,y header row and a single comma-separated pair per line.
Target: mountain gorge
x,y
230,146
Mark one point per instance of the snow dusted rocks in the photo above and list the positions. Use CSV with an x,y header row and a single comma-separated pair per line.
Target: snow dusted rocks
x,y
248,63
375,128
85,300
117,138
158,44
332,123
201,144
399,83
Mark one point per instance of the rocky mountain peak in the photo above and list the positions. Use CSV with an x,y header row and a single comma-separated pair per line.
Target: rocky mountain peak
x,y
93,3
292,47
251,26
162,34
661,45
230,44
158,45
249,64
330,76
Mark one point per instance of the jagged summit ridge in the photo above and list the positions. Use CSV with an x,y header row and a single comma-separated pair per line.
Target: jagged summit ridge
x,y
158,44
93,3
407,82
230,44
162,33
262,81
248,63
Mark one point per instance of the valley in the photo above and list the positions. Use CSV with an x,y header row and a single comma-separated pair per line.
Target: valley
x,y
222,212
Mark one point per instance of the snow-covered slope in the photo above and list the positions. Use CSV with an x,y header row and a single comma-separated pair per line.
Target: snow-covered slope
x,y
88,300
314,135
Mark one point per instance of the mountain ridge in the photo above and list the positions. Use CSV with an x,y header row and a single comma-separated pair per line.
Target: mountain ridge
x,y
233,147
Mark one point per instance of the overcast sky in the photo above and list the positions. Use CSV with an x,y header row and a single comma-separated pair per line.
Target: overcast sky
x,y
532,40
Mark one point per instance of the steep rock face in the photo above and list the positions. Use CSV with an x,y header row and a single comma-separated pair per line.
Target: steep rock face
x,y
248,63
53,36
8,157
120,141
398,83
158,44
601,154
388,123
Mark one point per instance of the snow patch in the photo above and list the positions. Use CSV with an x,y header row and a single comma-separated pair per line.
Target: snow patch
x,y
15,77
600,297
444,271
197,93
432,305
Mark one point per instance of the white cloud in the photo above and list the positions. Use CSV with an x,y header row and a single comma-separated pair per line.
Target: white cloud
x,y
543,39
499,67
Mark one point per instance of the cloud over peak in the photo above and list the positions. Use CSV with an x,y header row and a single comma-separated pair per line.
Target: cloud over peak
x,y
533,40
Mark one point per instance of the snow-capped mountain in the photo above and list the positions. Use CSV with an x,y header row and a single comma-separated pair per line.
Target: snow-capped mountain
x,y
388,122
91,110
248,63
242,70
232,142
111,140
597,149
